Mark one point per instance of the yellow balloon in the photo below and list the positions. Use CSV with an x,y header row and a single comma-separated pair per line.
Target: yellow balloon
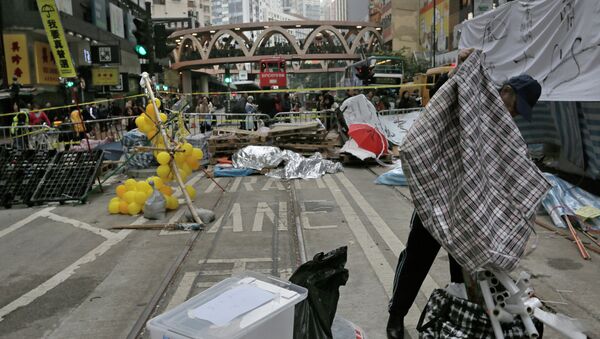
x,y
130,184
166,190
163,171
197,153
123,207
191,191
158,183
196,165
163,117
113,207
140,121
143,186
163,158
172,203
187,149
140,198
129,196
115,199
186,168
134,208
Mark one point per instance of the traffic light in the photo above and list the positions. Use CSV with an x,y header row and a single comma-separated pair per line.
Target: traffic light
x,y
143,37
69,83
227,77
163,46
365,73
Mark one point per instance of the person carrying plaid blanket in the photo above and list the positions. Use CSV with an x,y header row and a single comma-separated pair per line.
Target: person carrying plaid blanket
x,y
459,131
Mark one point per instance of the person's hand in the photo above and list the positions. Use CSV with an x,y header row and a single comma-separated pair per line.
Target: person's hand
x,y
463,55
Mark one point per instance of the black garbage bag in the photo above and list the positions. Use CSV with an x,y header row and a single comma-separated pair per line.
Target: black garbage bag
x,y
322,276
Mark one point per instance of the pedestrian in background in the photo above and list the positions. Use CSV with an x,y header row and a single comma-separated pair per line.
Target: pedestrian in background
x,y
38,117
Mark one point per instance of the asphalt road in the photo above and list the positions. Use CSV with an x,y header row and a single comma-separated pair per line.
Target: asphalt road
x,y
64,274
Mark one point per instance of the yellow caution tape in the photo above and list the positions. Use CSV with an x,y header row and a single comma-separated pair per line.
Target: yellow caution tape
x,y
74,105
297,90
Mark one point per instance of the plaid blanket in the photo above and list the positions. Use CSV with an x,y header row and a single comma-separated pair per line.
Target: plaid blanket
x,y
469,174
447,316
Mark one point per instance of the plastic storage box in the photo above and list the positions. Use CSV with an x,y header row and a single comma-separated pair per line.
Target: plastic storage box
x,y
249,305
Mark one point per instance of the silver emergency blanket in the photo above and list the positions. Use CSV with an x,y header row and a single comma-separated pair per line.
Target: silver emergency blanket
x,y
299,167
296,166
257,157
565,198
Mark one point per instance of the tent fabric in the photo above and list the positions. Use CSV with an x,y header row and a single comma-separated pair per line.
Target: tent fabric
x,y
556,42
471,180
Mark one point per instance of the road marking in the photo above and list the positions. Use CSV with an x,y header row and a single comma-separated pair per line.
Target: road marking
x,y
183,290
238,267
248,185
263,209
236,184
63,275
386,233
25,221
79,224
212,185
382,268
304,216
270,182
235,214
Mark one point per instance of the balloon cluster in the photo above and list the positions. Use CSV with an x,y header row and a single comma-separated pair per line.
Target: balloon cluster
x,y
132,195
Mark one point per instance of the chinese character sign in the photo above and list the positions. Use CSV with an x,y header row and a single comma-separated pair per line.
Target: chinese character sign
x,y
105,76
45,66
17,58
56,38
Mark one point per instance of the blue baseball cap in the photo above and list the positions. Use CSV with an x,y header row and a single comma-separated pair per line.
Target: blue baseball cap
x,y
528,92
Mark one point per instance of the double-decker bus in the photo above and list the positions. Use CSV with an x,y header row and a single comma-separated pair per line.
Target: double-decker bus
x,y
386,70
273,73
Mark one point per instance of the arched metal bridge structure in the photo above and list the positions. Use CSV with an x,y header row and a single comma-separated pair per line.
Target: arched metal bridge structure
x,y
308,46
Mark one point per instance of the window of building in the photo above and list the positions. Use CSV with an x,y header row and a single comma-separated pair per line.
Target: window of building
x,y
158,2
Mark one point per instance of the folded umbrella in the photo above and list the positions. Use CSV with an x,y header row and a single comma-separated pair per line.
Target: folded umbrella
x,y
369,138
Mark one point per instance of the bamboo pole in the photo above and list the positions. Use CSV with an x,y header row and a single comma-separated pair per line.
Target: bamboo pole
x,y
173,164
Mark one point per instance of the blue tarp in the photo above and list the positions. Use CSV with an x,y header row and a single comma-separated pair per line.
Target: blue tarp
x,y
393,177
565,198
232,172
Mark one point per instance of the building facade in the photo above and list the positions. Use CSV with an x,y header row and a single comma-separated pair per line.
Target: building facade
x,y
179,14
409,24
345,10
87,24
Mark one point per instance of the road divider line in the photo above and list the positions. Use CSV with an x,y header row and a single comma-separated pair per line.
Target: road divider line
x,y
80,224
24,221
63,275
386,233
183,290
378,262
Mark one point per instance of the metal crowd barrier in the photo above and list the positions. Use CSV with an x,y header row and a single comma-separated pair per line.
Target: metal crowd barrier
x,y
25,137
299,117
399,111
100,129
202,122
